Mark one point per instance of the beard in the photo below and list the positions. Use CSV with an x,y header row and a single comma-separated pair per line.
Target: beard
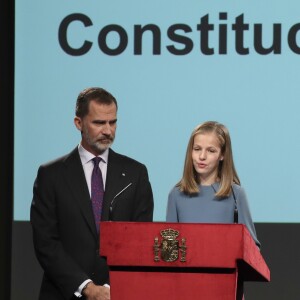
x,y
98,144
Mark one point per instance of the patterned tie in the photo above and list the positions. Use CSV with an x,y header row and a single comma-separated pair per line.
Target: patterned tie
x,y
97,191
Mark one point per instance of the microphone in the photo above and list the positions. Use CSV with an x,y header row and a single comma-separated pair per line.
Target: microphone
x,y
236,212
114,198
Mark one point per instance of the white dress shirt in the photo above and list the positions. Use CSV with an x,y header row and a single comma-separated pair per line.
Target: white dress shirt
x,y
88,165
86,158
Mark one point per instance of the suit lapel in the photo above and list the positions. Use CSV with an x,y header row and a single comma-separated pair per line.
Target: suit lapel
x,y
77,184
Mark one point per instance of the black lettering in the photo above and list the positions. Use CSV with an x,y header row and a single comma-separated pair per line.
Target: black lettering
x,y
102,39
175,37
113,38
239,27
63,30
258,40
204,27
138,37
292,38
223,34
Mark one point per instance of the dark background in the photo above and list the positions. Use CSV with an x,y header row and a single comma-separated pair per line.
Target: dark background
x,y
6,137
20,274
280,248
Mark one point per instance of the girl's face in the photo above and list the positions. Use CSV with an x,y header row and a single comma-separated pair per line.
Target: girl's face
x,y
206,156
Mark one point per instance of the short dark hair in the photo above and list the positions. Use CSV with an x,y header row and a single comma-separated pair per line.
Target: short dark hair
x,y
97,94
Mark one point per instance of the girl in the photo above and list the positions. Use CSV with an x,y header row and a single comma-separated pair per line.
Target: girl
x,y
209,190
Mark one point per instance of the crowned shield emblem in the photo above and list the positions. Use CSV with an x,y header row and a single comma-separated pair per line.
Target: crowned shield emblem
x,y
169,246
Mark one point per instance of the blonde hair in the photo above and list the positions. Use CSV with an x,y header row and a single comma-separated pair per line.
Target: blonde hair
x,y
227,174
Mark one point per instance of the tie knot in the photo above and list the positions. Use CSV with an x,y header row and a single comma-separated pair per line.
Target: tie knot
x,y
96,160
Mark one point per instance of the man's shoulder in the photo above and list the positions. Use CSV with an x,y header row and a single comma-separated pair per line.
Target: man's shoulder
x,y
123,158
61,159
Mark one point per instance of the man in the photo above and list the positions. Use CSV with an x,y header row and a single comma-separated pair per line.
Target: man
x,y
63,214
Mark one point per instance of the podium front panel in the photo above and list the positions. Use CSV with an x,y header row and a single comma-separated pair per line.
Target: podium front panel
x,y
170,285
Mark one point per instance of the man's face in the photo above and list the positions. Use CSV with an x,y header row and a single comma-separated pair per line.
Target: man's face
x,y
98,127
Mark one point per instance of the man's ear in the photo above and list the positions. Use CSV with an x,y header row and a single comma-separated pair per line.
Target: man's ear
x,y
78,123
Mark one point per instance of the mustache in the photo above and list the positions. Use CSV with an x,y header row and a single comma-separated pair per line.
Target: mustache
x,y
105,138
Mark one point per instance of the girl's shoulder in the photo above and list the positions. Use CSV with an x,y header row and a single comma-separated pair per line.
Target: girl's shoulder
x,y
238,190
175,191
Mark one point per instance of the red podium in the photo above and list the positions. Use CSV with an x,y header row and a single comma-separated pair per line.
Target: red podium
x,y
179,260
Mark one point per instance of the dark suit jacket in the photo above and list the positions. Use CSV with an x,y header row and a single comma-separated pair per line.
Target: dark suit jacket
x,y
64,232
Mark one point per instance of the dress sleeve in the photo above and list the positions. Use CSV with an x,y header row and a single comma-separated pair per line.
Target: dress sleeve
x,y
172,208
245,214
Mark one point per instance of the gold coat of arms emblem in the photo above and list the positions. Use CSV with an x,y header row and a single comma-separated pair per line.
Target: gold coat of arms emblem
x,y
169,247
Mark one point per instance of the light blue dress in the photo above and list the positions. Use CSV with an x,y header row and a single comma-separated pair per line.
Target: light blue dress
x,y
204,207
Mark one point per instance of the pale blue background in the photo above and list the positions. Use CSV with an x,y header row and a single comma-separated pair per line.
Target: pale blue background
x,y
162,98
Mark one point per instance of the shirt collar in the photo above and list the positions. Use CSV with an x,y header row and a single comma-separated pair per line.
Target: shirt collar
x,y
87,156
